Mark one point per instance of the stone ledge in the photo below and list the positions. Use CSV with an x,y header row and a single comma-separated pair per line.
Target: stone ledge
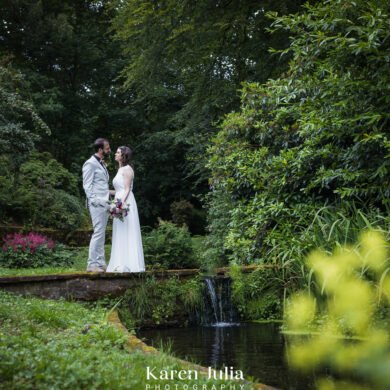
x,y
90,286
223,271
95,275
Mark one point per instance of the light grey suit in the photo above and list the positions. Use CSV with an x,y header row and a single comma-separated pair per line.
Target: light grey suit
x,y
95,183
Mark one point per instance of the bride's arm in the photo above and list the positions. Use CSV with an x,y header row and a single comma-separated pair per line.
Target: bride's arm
x,y
127,177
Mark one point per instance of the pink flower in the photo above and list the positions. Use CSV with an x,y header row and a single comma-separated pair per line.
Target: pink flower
x,y
31,242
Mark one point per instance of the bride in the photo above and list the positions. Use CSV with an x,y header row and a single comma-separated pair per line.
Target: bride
x,y
126,252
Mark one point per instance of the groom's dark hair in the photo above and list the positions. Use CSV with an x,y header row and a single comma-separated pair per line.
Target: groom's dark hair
x,y
99,144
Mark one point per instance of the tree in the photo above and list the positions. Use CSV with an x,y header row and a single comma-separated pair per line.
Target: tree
x,y
70,64
20,125
317,137
184,64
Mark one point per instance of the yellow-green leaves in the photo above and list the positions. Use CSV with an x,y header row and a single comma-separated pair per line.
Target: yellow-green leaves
x,y
374,250
301,311
349,281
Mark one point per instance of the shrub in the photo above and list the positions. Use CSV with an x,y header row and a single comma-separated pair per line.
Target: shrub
x,y
7,187
181,212
162,302
47,194
257,295
44,193
315,137
169,246
31,251
353,287
64,212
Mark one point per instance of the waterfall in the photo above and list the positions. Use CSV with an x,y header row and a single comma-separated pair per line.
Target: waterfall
x,y
213,297
220,311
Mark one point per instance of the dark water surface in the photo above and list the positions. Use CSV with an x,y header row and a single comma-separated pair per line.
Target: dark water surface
x,y
256,349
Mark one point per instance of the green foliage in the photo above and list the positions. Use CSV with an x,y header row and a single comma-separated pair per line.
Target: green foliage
x,y
7,186
192,295
257,295
183,65
32,251
216,253
181,212
41,257
20,128
181,68
45,194
78,258
266,307
31,182
43,170
159,302
354,286
63,345
310,144
169,246
69,63
159,172
20,124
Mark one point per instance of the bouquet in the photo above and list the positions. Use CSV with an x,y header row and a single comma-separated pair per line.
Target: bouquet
x,y
118,209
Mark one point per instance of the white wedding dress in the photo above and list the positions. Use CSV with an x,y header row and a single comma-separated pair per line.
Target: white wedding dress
x,y
126,252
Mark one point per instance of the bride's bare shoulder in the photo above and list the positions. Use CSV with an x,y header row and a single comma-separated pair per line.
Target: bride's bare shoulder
x,y
127,170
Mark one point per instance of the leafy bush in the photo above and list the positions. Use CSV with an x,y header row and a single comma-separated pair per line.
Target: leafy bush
x,y
215,251
184,212
20,128
181,212
32,251
159,302
315,138
47,194
20,124
44,193
7,187
64,211
257,295
169,246
352,286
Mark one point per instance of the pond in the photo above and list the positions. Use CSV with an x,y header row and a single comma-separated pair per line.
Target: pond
x,y
256,349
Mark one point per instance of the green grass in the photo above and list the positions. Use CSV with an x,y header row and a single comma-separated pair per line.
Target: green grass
x,y
79,265
63,345
80,261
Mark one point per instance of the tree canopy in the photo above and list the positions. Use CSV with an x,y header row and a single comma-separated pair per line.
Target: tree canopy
x,y
318,136
154,76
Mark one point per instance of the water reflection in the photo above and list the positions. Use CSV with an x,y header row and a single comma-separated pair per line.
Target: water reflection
x,y
256,349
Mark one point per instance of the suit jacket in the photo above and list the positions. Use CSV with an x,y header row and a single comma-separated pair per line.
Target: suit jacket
x,y
95,183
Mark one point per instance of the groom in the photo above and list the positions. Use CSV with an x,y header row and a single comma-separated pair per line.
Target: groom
x,y
95,183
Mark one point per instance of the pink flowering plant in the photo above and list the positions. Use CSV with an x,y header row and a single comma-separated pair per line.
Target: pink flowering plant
x,y
118,209
32,250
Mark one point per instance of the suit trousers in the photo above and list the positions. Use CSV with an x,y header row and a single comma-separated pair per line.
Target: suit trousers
x,y
99,217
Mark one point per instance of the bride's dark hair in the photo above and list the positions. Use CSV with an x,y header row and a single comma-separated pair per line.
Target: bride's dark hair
x,y
127,154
